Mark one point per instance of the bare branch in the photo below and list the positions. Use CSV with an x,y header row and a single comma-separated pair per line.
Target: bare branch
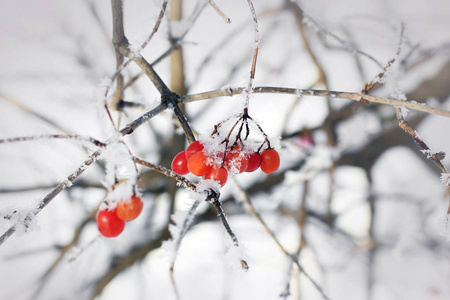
x,y
435,157
169,173
317,93
156,27
213,198
129,128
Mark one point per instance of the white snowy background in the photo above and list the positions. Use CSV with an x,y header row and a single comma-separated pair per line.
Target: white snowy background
x,y
54,59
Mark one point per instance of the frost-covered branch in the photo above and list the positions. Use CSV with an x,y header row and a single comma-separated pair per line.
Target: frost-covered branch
x,y
74,137
213,198
435,157
316,93
58,189
380,77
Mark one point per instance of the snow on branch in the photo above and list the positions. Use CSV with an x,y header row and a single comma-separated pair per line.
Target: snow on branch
x,y
50,196
411,104
74,137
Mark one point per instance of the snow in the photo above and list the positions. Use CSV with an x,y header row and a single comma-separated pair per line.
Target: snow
x,y
23,220
59,85
445,179
235,256
121,177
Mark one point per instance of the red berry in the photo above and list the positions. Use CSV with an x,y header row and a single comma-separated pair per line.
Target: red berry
x,y
236,162
218,174
305,142
254,162
109,224
129,209
270,161
179,164
193,148
198,164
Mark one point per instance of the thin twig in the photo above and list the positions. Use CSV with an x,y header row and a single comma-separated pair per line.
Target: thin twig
x,y
221,14
132,126
378,79
166,172
249,89
75,137
435,157
156,27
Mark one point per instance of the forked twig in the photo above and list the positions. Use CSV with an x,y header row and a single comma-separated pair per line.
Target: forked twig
x,y
378,79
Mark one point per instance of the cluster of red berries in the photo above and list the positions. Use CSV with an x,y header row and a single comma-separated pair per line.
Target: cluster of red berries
x,y
216,166
111,222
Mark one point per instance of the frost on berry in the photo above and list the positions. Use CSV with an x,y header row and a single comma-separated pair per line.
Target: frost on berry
x,y
236,162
